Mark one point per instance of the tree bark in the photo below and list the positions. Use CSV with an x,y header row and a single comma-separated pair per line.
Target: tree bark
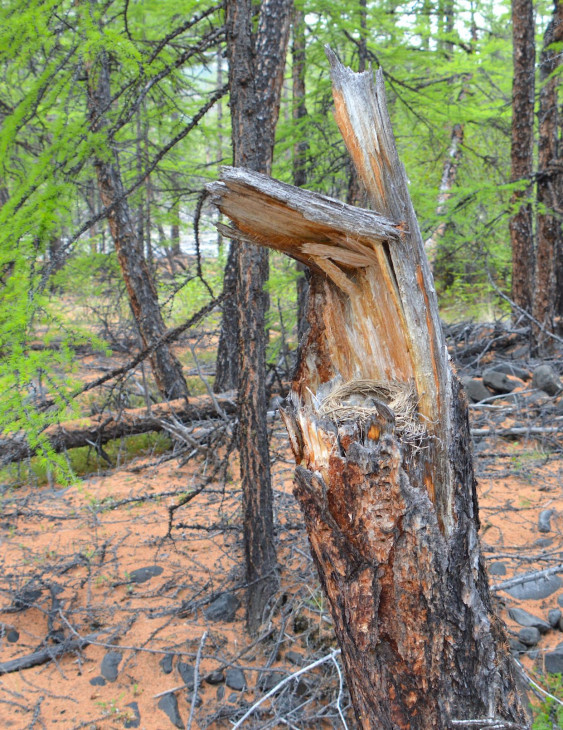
x,y
378,425
140,287
449,177
548,189
256,67
522,150
300,149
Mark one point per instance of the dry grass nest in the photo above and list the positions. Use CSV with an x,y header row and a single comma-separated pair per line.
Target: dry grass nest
x,y
360,400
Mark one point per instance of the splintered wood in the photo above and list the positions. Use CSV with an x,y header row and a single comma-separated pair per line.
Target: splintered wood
x,y
378,425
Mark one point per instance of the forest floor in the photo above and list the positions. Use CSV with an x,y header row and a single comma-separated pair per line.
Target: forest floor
x,y
138,609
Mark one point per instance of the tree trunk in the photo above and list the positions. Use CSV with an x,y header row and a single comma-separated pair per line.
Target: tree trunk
x,y
300,150
449,177
140,287
379,429
522,150
548,188
256,67
356,194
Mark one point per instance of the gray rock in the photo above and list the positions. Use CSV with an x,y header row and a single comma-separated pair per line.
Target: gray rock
x,y
198,700
12,636
235,679
536,588
220,692
560,600
545,378
476,391
142,575
269,680
223,608
516,647
497,568
217,676
233,698
187,672
169,705
553,617
509,369
529,636
527,619
166,663
499,382
134,721
110,663
98,681
544,520
294,657
553,661
26,598
544,542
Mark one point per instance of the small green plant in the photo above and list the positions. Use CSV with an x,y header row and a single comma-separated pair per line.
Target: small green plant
x,y
549,715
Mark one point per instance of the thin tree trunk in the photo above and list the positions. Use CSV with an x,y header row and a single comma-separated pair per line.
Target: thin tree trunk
x,y
378,425
522,149
140,287
548,187
356,194
300,150
449,176
256,67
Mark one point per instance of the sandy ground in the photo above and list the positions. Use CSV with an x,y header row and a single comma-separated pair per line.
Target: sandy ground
x,y
76,547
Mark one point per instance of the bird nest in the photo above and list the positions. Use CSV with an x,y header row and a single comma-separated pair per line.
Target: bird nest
x,y
361,400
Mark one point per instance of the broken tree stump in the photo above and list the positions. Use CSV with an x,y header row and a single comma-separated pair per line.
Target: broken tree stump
x,y
379,429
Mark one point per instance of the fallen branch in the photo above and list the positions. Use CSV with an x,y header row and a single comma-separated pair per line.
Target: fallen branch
x,y
45,655
98,430
517,431
506,584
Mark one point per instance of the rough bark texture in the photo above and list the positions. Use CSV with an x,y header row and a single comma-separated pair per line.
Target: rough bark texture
x,y
98,430
300,149
387,489
522,150
548,188
140,287
256,67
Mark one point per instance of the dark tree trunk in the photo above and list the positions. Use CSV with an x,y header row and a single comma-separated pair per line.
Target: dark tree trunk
x,y
522,149
378,424
300,150
256,67
548,189
140,287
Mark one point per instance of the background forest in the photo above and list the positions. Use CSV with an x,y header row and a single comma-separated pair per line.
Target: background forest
x,y
448,72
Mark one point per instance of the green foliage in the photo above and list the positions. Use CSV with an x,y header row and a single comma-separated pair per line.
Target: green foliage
x,y
442,68
549,715
86,460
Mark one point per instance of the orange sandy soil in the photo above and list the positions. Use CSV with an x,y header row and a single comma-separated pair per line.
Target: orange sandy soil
x,y
76,538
